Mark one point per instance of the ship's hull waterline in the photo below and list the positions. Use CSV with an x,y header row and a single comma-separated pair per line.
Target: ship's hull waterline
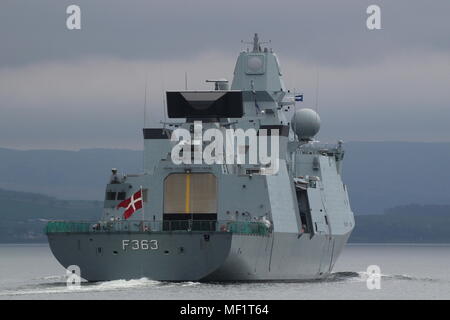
x,y
198,256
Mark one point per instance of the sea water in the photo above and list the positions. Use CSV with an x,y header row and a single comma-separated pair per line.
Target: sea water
x,y
408,271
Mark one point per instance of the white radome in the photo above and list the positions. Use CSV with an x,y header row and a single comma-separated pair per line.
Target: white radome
x,y
305,123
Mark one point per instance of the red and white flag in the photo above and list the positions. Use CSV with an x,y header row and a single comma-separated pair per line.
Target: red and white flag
x,y
131,204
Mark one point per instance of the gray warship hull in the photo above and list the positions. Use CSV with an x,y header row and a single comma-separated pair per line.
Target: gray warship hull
x,y
223,257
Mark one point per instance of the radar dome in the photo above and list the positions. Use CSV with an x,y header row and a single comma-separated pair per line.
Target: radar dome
x,y
305,123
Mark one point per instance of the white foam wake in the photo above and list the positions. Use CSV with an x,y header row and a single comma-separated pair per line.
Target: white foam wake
x,y
361,276
61,287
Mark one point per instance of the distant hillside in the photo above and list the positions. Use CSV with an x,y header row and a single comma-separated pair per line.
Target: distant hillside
x,y
24,215
382,175
379,175
65,174
412,223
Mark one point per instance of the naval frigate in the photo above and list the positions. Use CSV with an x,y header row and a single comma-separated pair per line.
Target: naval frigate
x,y
220,221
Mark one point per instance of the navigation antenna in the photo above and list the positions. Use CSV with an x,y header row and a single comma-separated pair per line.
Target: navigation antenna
x,y
145,114
145,101
317,89
163,95
256,43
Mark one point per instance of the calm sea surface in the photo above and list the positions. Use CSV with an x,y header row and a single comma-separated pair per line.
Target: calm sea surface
x,y
408,272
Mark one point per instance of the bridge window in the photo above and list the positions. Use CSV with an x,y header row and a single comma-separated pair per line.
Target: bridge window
x,y
110,195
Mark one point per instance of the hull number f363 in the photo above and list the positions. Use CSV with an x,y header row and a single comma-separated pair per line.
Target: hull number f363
x,y
140,244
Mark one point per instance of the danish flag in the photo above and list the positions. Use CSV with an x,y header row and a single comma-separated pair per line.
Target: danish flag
x,y
131,204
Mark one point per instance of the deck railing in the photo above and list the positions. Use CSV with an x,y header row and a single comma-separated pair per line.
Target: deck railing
x,y
135,226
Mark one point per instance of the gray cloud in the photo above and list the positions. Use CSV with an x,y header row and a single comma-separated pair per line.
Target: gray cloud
x,y
329,32
75,89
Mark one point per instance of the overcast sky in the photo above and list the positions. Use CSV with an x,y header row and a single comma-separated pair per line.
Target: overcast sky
x,y
62,89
